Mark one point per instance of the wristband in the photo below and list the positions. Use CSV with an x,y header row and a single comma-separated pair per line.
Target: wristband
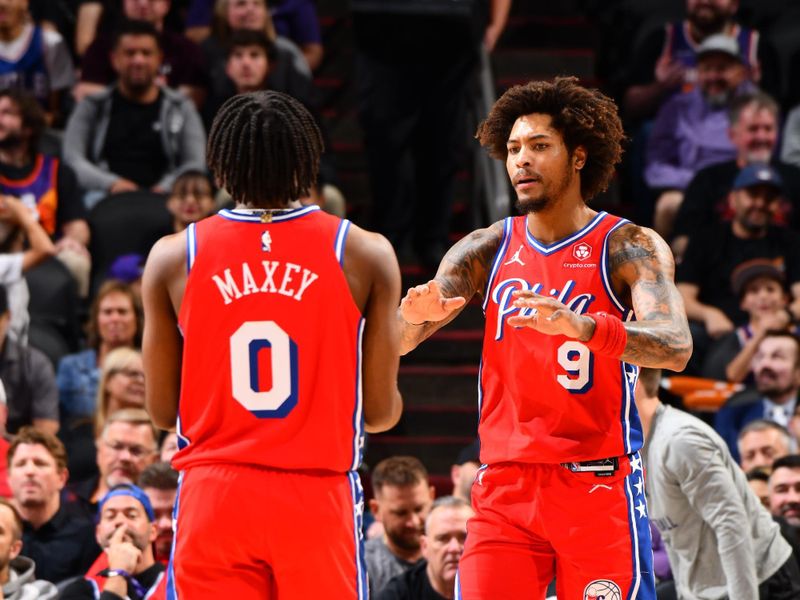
x,y
118,573
609,337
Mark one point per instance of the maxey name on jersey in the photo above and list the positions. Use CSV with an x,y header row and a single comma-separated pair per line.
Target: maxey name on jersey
x,y
269,277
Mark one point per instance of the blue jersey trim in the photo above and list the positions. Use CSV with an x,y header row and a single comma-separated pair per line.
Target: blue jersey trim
x,y
357,495
341,237
358,411
172,588
643,582
248,215
191,246
605,273
501,251
547,249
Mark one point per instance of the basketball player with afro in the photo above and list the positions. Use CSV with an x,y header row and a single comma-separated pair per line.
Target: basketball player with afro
x,y
271,343
575,301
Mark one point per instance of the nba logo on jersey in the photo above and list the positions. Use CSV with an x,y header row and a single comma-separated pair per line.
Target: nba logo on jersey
x,y
581,251
266,242
602,589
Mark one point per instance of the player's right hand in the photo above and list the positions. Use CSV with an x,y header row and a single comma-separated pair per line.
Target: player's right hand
x,y
427,303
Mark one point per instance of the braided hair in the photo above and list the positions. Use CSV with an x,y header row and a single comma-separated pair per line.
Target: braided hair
x,y
264,148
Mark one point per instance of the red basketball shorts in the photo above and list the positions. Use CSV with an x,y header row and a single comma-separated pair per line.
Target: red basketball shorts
x,y
256,534
534,522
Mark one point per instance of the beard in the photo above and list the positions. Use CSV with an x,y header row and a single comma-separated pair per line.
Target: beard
x,y
404,539
547,198
709,20
11,141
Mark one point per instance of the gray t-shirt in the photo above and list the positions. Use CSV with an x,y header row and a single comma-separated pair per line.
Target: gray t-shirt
x,y
720,540
382,565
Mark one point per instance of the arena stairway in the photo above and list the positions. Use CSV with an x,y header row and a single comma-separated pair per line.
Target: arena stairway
x,y
439,379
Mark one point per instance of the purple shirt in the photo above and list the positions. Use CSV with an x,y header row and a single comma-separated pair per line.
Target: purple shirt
x,y
688,134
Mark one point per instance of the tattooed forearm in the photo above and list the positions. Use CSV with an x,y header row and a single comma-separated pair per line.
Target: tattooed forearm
x,y
642,262
465,268
463,272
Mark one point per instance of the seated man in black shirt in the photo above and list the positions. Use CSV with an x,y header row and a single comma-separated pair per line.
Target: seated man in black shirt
x,y
703,277
60,542
442,545
135,134
126,531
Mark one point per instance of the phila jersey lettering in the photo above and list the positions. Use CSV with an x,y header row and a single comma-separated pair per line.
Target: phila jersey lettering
x,y
271,370
549,399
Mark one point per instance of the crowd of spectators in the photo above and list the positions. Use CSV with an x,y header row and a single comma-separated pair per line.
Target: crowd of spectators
x,y
105,103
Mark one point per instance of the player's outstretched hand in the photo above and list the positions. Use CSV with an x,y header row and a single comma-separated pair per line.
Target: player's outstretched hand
x,y
550,316
427,303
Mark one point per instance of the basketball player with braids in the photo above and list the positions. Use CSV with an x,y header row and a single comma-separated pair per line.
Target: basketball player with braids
x,y
575,301
271,343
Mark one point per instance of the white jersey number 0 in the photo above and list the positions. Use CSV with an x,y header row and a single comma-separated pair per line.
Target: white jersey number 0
x,y
246,344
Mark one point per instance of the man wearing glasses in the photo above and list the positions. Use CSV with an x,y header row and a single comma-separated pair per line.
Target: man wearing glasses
x,y
126,445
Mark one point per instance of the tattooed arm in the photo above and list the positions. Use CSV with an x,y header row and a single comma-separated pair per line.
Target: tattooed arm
x,y
642,262
463,272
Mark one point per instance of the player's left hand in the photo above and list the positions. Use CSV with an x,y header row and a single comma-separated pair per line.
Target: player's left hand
x,y
550,317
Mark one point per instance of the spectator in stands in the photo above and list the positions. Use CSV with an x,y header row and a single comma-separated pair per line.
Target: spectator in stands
x,y
704,275
126,531
34,59
115,321
442,545
125,447
761,442
121,384
29,380
784,489
776,366
59,541
169,446
136,134
691,129
402,500
758,480
160,482
295,20
463,472
760,286
191,199
43,182
249,53
702,505
18,573
289,72
664,63
182,67
790,151
754,119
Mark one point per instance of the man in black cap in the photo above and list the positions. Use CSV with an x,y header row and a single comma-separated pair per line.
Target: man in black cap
x,y
464,470
704,275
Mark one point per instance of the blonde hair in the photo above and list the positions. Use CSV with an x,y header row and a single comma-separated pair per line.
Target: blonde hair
x,y
222,31
115,361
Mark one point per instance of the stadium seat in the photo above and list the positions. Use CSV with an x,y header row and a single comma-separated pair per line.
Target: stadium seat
x,y
54,303
123,224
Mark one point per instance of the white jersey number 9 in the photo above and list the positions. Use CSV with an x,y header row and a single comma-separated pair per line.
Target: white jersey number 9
x,y
248,345
578,362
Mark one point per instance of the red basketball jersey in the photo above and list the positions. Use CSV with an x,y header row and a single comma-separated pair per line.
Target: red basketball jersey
x,y
548,399
271,361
